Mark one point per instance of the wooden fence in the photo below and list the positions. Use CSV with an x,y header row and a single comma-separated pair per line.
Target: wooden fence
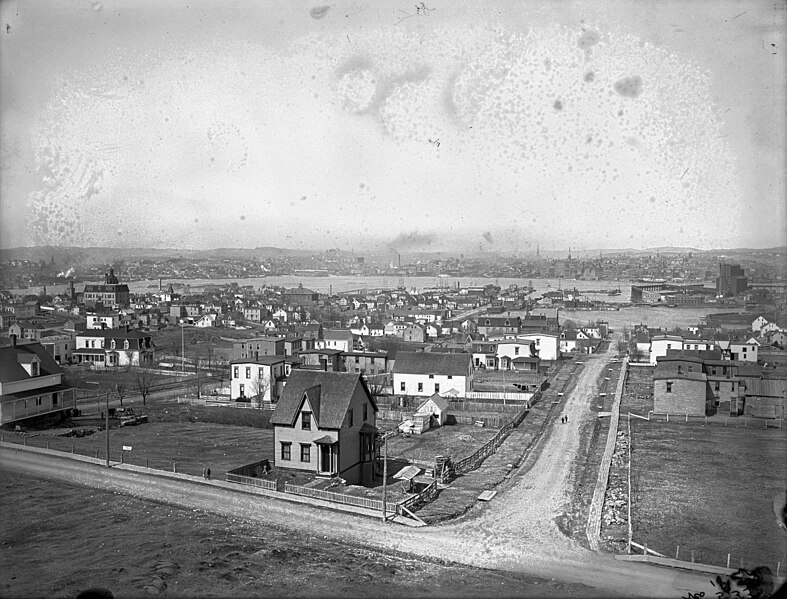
x,y
372,504
498,395
473,461
425,496
736,421
263,483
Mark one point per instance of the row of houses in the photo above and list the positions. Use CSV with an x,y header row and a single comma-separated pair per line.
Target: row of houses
x,y
701,382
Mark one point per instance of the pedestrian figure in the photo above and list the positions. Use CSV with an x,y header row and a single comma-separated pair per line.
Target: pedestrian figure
x,y
204,472
207,474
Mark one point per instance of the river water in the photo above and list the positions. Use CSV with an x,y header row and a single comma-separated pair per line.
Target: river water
x,y
654,317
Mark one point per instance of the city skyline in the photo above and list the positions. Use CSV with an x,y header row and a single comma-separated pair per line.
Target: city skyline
x,y
414,126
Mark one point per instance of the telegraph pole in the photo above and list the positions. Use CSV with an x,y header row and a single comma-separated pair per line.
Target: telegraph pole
x,y
107,428
385,478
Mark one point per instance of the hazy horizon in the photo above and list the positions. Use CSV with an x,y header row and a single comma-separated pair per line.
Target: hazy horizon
x,y
414,126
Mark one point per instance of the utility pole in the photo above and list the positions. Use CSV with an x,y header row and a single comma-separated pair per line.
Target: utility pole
x,y
182,349
385,477
106,424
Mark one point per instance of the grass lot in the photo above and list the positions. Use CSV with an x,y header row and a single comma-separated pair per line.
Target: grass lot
x,y
456,440
709,489
65,539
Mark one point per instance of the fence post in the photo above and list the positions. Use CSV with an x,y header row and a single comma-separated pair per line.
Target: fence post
x,y
692,556
47,443
146,463
24,441
174,468
728,560
667,416
687,416
745,420
96,452
121,457
72,448
677,552
778,566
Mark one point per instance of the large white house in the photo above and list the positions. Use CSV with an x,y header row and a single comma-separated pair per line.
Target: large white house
x,y
426,373
114,347
257,381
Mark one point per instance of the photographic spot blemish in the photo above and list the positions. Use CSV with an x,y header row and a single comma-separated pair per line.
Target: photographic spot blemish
x,y
588,39
590,76
243,217
318,12
558,105
97,6
629,87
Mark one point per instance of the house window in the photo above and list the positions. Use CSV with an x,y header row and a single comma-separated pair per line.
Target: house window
x,y
717,386
125,344
516,351
420,387
402,387
38,401
235,372
54,399
357,359
285,451
437,387
350,417
365,412
450,376
680,369
306,421
669,387
306,452
248,372
260,373
431,376
732,388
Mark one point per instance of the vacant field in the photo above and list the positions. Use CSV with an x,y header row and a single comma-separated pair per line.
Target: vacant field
x,y
64,539
186,446
709,489
638,391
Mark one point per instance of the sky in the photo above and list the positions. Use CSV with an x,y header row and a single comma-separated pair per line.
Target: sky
x,y
499,125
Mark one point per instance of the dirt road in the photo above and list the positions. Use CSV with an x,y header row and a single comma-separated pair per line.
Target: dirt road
x,y
517,532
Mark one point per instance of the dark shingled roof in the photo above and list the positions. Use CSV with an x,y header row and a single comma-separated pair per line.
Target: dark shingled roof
x,y
11,369
329,395
429,363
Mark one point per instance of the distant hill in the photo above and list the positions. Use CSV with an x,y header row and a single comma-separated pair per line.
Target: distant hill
x,y
70,256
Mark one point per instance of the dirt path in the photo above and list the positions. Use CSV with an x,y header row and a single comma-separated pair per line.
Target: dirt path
x,y
517,532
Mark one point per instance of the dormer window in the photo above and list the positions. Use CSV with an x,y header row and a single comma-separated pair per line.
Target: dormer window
x,y
125,344
34,369
112,344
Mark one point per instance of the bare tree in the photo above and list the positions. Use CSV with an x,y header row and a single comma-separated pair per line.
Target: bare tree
x,y
259,387
120,392
145,379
